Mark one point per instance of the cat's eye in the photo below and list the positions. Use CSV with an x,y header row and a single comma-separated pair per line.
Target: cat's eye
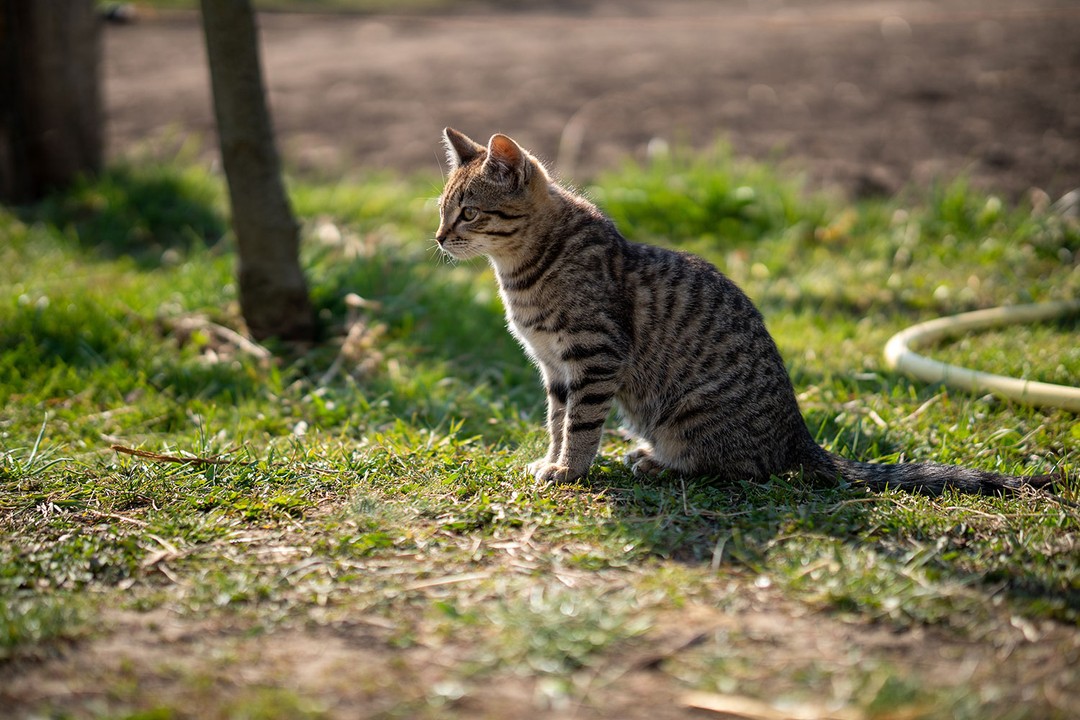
x,y
468,214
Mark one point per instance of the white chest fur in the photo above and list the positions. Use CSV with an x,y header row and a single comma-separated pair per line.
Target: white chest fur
x,y
542,345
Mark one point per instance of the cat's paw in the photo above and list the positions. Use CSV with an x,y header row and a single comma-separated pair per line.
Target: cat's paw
x,y
546,472
642,462
537,465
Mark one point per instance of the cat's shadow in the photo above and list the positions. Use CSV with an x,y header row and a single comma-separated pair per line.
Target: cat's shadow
x,y
778,528
720,522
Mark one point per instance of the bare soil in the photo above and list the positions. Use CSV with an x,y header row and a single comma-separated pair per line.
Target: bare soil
x,y
870,96
357,669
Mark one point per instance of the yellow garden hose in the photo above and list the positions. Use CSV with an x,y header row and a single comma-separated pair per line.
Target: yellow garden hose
x,y
899,355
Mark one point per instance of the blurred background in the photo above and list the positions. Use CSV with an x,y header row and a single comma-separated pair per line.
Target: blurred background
x,y
867,96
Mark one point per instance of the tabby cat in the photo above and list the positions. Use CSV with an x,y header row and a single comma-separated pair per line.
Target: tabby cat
x,y
664,335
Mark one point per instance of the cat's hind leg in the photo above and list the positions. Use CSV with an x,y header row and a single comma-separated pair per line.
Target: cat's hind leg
x,y
662,453
642,461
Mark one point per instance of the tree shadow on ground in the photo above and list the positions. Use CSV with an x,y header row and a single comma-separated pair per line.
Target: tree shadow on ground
x,y
140,213
80,345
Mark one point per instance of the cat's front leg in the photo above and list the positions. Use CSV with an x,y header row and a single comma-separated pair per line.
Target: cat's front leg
x,y
587,405
556,414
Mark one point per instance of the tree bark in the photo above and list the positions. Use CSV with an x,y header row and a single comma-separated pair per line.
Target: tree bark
x,y
273,292
50,101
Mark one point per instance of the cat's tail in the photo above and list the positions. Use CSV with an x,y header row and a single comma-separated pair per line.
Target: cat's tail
x,y
928,478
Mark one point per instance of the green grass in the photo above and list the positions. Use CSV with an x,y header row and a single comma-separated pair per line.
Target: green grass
x,y
1029,352
383,504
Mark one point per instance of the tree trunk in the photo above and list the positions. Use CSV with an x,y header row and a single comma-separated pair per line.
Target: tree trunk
x,y
50,103
273,292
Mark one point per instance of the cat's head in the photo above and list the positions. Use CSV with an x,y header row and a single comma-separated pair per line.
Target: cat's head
x,y
490,196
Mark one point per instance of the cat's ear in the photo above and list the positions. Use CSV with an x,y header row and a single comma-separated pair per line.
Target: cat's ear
x,y
460,149
508,160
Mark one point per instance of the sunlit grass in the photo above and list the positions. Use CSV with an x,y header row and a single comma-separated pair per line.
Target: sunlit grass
x,y
382,478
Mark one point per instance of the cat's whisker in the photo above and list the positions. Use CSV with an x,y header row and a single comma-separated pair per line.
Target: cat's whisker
x,y
439,164
439,254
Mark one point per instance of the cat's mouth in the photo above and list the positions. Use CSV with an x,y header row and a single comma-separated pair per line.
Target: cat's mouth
x,y
457,248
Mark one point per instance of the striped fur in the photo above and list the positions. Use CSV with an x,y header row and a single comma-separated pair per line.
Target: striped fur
x,y
664,336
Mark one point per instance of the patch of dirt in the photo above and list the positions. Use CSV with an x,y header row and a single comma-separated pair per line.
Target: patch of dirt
x,y
210,669
866,95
